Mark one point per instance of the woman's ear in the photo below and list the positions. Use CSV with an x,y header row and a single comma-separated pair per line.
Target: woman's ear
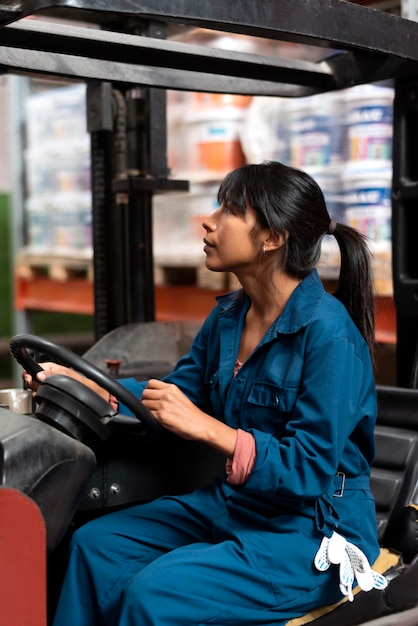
x,y
274,241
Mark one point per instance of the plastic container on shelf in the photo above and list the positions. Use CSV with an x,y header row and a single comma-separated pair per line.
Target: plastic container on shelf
x,y
203,200
70,222
367,198
39,225
316,130
204,134
72,167
58,207
177,225
369,116
59,225
215,144
56,114
207,144
265,130
61,166
178,139
172,232
199,101
329,178
38,175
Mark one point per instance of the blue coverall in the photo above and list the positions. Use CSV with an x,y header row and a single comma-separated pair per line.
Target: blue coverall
x,y
244,555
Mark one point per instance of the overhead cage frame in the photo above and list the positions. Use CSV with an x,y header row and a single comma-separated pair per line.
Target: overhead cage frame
x,y
125,45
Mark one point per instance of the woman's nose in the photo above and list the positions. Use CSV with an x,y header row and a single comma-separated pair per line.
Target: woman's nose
x,y
208,223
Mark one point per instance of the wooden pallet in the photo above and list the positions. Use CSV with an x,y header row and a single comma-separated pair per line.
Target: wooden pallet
x,y
55,267
197,276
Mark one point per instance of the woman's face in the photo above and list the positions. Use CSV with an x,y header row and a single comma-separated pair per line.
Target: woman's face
x,y
230,243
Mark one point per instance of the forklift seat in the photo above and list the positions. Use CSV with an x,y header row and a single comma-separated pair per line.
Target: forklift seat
x,y
394,476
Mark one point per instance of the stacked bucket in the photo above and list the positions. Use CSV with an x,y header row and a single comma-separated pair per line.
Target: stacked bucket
x,y
344,140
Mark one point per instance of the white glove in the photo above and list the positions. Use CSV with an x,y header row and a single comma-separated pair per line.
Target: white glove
x,y
353,565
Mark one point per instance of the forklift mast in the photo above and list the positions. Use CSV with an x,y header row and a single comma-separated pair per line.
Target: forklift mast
x,y
123,51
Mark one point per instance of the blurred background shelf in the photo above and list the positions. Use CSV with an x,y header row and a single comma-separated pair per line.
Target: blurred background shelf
x,y
173,302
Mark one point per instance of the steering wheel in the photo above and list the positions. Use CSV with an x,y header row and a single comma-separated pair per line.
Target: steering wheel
x,y
64,393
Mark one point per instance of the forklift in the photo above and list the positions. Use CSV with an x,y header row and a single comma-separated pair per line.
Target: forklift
x,y
75,458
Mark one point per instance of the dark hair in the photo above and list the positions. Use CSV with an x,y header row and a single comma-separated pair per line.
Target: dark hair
x,y
290,203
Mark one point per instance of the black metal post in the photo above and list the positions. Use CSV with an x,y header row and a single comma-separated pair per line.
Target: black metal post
x,y
107,215
405,225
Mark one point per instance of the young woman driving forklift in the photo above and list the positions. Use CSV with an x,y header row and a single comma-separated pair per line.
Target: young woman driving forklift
x,y
280,380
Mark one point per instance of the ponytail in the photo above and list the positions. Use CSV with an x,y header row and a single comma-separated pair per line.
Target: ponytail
x,y
355,283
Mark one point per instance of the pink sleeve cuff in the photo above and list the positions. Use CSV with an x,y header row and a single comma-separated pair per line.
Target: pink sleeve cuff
x,y
114,402
240,466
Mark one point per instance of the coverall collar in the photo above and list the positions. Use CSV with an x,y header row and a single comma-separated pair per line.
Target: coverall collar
x,y
298,312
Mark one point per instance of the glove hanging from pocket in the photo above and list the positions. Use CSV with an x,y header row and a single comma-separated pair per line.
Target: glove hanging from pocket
x,y
352,562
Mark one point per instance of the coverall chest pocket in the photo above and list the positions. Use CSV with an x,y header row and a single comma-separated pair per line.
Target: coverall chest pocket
x,y
270,406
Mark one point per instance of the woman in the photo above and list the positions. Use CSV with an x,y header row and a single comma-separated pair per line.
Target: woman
x,y
280,380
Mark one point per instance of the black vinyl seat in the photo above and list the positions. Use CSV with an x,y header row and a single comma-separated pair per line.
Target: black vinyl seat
x,y
394,476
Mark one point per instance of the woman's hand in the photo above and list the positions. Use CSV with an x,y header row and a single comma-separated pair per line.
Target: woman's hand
x,y
173,409
52,369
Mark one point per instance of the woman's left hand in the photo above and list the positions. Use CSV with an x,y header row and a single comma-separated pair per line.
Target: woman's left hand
x,y
173,409
52,369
